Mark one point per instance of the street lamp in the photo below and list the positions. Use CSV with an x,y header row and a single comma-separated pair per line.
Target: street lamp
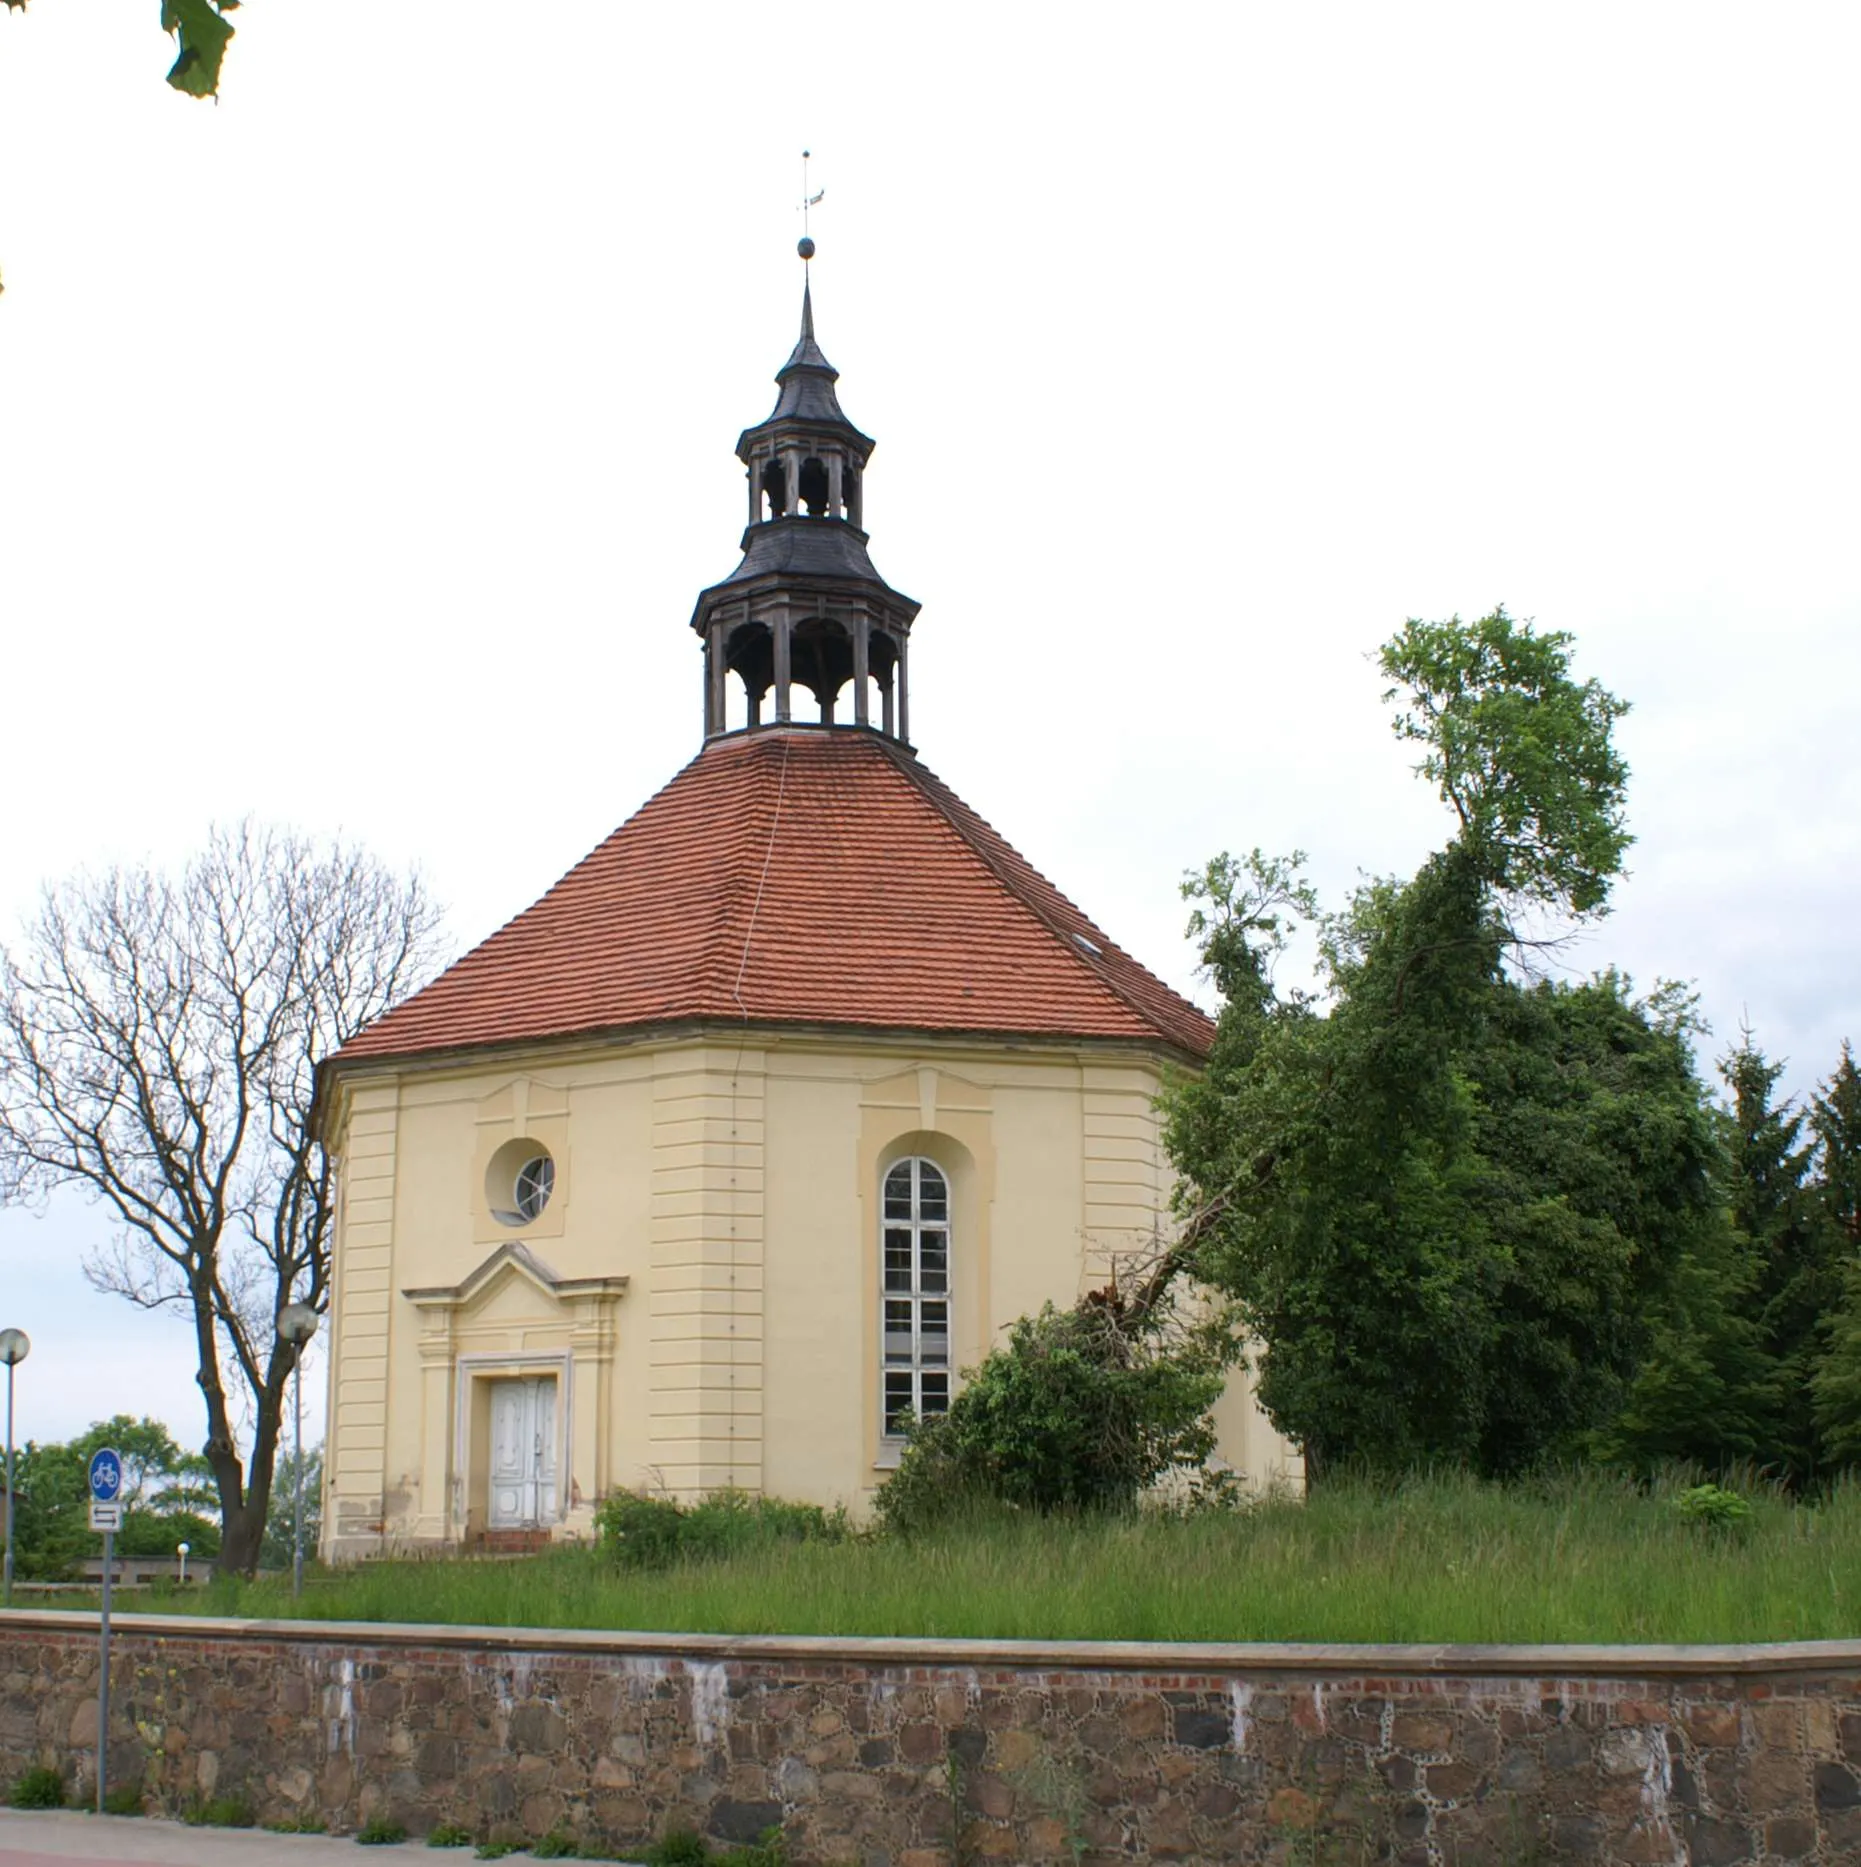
x,y
180,1550
15,1346
297,1323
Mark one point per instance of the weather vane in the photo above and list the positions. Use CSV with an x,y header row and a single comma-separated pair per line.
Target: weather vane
x,y
805,247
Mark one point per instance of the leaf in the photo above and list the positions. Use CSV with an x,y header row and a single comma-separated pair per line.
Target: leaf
x,y
203,37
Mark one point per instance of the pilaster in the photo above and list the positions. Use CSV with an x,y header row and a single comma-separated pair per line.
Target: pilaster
x,y
363,1254
706,1306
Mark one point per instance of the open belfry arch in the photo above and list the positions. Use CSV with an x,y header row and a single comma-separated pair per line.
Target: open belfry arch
x,y
764,1122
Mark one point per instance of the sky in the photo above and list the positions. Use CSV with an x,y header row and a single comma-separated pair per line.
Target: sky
x,y
365,438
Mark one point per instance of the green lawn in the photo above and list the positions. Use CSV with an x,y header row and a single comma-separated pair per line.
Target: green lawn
x,y
1583,1559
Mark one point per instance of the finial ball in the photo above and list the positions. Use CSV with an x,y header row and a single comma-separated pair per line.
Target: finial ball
x,y
805,247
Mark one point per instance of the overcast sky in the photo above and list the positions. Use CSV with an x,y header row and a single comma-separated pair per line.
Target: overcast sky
x,y
365,438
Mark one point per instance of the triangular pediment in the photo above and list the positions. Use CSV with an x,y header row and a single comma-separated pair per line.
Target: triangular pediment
x,y
512,1261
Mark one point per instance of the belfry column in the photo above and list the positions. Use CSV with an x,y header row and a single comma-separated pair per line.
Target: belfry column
x,y
715,672
862,665
904,690
780,632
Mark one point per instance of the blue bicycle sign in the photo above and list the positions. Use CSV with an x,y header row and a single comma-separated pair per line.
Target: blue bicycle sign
x,y
106,1475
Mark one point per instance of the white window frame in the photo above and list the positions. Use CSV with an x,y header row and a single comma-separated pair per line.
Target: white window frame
x,y
922,1289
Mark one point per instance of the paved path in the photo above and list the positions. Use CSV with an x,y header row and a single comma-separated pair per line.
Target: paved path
x,y
65,1838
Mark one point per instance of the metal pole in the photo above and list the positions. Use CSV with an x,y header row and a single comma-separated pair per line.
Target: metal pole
x,y
9,1484
103,1682
297,1503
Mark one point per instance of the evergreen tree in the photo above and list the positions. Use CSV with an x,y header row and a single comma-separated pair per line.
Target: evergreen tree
x,y
1835,1120
1793,1280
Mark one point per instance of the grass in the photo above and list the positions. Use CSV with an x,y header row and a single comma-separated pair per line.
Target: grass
x,y
1584,1557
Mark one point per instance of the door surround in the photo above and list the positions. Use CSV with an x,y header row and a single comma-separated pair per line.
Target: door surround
x,y
518,1365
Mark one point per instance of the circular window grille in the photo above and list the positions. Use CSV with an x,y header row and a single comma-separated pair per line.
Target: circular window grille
x,y
536,1180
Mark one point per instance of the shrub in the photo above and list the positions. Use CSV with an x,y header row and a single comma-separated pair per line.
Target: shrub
x,y
642,1532
297,1825
771,1850
380,1832
123,1798
679,1847
449,1835
229,1811
555,1846
40,1788
1713,1506
1079,1409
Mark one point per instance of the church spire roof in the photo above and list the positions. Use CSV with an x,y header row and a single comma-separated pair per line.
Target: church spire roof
x,y
805,607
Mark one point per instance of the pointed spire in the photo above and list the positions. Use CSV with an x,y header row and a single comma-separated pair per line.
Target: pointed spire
x,y
807,353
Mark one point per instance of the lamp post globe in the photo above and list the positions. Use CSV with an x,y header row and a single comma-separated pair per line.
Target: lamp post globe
x,y
15,1346
297,1323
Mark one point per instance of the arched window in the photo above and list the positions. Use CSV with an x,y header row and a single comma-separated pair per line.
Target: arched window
x,y
916,1260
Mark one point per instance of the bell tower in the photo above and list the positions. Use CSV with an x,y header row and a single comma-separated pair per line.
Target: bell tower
x,y
806,608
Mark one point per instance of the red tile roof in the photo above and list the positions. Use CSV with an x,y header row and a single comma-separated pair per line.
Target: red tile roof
x,y
796,876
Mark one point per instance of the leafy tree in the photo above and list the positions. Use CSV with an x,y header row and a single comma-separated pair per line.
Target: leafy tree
x,y
1445,1197
161,1495
159,1041
201,33
279,1547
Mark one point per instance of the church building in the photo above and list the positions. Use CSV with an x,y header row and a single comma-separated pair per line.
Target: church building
x,y
763,1123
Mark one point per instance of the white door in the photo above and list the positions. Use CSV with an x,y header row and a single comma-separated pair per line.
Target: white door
x,y
523,1453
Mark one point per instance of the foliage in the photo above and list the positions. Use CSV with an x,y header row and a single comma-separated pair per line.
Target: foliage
x,y
297,1825
162,1492
228,1811
40,1787
642,1531
201,33
1524,754
1080,1409
1449,1197
1713,1506
1582,1555
557,1845
448,1835
279,1548
381,1831
679,1847
159,1043
123,1798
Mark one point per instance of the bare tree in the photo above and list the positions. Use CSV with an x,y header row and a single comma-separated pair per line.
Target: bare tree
x,y
159,1043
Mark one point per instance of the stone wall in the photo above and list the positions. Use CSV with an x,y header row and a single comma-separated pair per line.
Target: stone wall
x,y
922,1753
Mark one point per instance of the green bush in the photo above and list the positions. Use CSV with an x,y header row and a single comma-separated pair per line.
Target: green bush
x,y
123,1798
449,1835
229,1811
679,1847
1080,1409
557,1845
642,1532
297,1825
381,1832
1713,1506
40,1788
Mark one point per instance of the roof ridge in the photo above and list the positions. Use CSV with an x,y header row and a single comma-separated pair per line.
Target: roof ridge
x,y
960,816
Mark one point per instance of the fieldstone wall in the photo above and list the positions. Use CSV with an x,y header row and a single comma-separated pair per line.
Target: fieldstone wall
x,y
933,1753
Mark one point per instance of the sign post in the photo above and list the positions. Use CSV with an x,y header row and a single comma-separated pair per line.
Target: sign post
x,y
106,1514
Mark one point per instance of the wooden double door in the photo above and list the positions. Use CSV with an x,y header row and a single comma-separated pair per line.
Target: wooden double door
x,y
523,1454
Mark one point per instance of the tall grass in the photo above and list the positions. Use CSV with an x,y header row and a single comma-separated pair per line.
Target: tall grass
x,y
1587,1557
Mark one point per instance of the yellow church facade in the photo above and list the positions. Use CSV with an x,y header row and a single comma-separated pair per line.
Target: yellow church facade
x,y
735,1149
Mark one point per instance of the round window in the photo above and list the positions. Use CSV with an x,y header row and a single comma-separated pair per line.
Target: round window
x,y
521,1178
534,1183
